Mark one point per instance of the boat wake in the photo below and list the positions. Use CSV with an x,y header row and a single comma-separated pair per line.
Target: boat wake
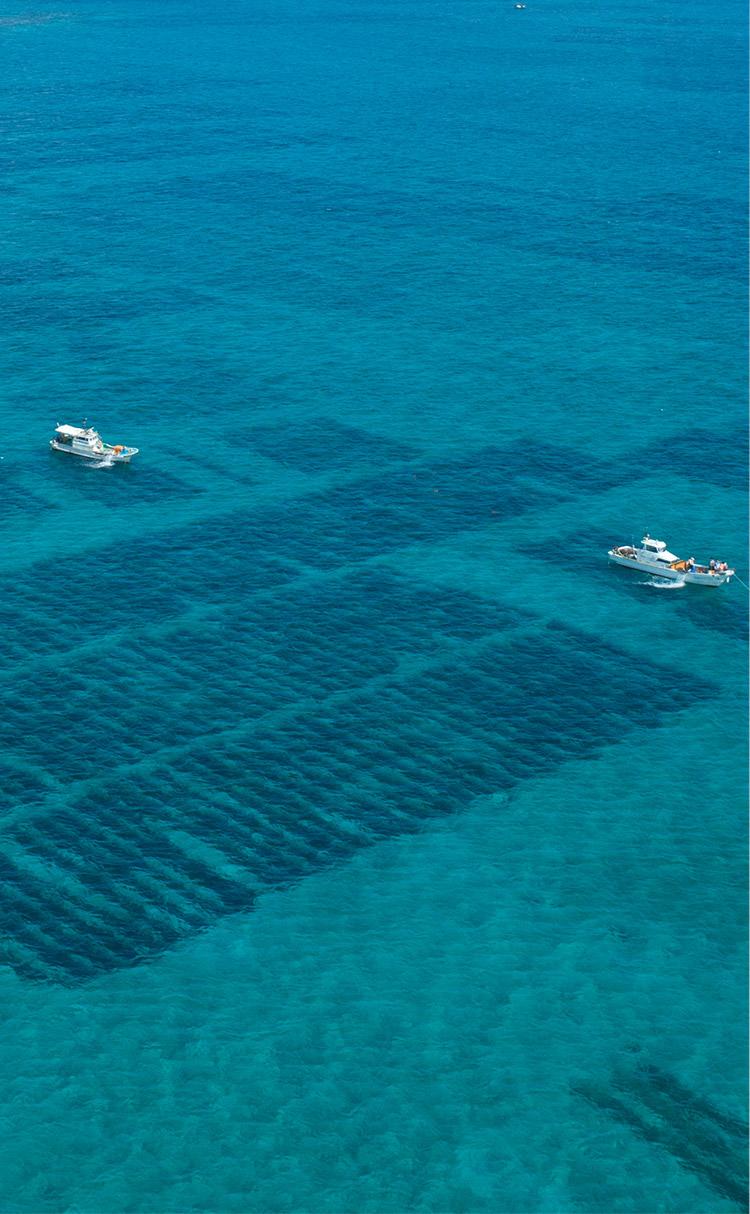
x,y
661,584
106,462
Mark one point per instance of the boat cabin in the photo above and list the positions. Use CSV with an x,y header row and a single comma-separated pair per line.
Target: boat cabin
x,y
66,434
656,550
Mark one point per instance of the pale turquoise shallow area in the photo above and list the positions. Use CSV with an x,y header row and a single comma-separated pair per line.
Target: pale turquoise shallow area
x,y
367,843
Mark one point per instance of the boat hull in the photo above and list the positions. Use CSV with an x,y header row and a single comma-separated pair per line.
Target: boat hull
x,y
655,569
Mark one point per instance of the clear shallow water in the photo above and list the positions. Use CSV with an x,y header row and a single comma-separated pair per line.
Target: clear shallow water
x,y
367,842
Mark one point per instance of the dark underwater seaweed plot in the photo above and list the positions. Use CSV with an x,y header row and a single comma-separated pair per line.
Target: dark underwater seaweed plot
x,y
222,560
718,457
424,503
358,520
664,1112
17,501
322,444
229,469
306,641
128,485
138,861
564,468
206,562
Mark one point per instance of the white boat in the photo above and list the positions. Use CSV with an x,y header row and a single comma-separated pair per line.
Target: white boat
x,y
87,442
652,557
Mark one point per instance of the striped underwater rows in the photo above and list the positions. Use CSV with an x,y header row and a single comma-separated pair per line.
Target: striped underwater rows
x,y
718,457
321,444
176,687
143,859
221,560
254,724
17,501
225,558
658,1108
404,503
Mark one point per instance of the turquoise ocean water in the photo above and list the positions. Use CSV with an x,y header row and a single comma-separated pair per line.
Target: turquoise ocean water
x,y
368,844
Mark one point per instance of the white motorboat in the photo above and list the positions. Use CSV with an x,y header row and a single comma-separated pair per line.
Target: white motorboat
x,y
652,557
87,442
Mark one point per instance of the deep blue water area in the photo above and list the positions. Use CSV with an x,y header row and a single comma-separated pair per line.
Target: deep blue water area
x,y
368,842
